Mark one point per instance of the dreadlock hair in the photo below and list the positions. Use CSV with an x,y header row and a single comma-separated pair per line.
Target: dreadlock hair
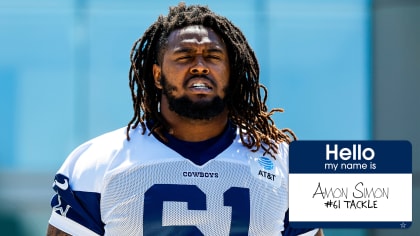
x,y
247,109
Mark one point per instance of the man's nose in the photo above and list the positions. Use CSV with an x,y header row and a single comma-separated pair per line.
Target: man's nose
x,y
199,67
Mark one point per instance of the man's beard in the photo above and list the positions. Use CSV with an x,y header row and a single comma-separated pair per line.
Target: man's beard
x,y
183,106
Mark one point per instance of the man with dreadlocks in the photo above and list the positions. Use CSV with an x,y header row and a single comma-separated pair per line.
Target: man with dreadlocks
x,y
201,155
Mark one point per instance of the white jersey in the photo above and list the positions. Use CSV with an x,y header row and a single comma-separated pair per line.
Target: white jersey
x,y
111,186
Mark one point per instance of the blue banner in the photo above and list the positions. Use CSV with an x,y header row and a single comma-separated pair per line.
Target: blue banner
x,y
350,157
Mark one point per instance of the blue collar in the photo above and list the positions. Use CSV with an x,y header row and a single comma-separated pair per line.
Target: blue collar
x,y
203,151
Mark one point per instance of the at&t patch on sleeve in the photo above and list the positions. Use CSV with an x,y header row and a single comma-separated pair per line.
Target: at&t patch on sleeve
x,y
350,184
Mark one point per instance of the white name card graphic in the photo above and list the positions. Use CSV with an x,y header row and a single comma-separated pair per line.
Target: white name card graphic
x,y
350,184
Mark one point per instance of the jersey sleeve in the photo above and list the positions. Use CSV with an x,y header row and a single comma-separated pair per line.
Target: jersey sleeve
x,y
78,185
75,212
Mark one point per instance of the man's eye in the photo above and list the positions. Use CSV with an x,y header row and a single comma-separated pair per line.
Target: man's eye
x,y
183,58
217,57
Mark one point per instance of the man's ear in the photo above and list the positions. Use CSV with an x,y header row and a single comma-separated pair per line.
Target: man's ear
x,y
157,70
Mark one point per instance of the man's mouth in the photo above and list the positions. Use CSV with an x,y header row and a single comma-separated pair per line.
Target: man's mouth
x,y
200,86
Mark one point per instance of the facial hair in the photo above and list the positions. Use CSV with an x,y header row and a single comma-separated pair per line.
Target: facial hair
x,y
184,106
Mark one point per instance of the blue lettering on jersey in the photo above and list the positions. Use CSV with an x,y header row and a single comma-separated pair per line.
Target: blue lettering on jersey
x,y
200,174
235,197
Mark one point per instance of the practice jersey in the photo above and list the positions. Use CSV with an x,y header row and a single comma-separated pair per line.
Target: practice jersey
x,y
111,186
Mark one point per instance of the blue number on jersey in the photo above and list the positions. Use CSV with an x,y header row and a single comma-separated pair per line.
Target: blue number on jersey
x,y
237,198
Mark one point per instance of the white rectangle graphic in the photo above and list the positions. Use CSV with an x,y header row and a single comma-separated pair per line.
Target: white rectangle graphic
x,y
350,197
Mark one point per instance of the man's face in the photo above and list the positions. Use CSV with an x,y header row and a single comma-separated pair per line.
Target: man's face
x,y
194,72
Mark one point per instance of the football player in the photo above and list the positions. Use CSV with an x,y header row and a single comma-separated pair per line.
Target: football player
x,y
201,155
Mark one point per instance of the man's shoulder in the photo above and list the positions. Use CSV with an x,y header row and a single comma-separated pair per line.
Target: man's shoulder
x,y
103,144
92,160
114,140
100,151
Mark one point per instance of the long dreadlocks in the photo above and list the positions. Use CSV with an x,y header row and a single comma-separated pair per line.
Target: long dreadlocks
x,y
247,109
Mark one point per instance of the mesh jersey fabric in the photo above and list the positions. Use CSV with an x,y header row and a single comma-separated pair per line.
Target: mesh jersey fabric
x,y
142,187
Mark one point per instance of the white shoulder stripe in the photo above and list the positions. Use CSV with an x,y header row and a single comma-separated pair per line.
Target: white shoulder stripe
x,y
69,226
